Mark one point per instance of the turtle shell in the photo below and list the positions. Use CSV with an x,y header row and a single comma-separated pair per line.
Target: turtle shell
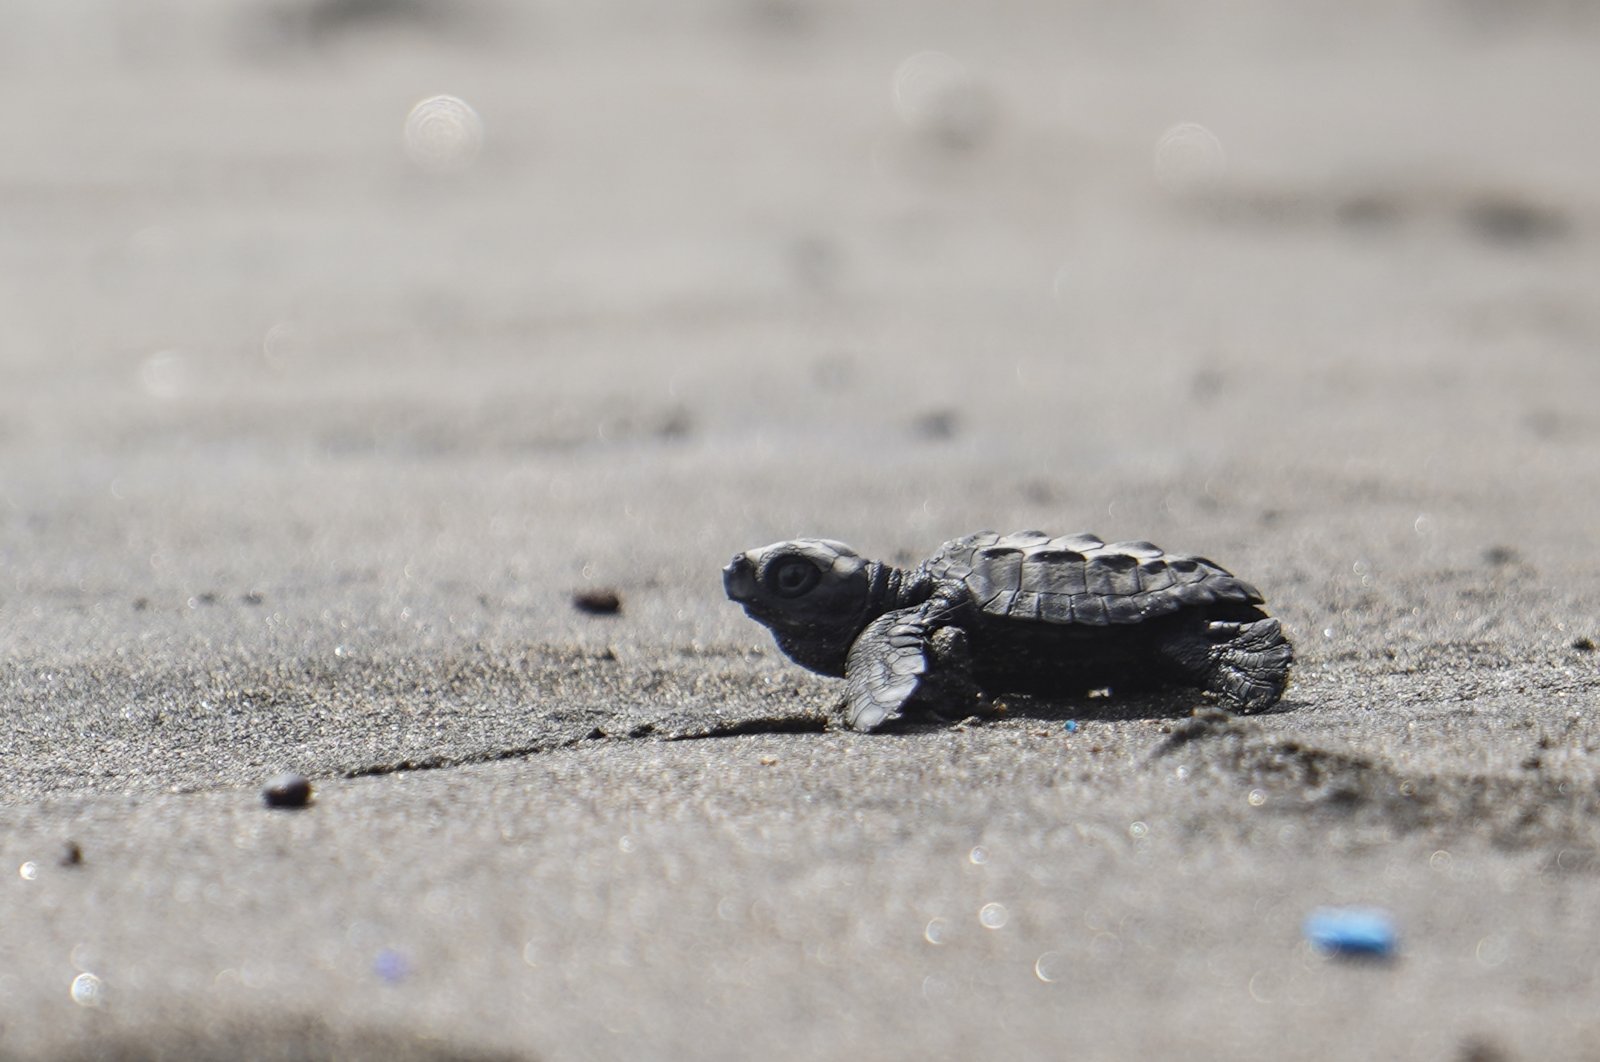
x,y
1079,579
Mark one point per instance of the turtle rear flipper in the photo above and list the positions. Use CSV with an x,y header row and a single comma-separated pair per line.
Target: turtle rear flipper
x,y
1248,663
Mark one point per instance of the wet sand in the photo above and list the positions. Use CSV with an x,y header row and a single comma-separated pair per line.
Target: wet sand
x,y
306,448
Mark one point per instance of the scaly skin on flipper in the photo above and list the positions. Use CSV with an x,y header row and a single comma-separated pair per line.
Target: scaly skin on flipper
x,y
1249,662
885,668
909,654
1023,612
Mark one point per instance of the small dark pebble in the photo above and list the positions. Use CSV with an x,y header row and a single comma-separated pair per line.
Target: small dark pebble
x,y
677,424
1583,645
1500,555
207,598
252,598
1546,423
962,119
71,854
140,604
814,262
603,602
331,19
1477,1049
287,791
1368,211
1207,384
1039,492
1505,220
937,424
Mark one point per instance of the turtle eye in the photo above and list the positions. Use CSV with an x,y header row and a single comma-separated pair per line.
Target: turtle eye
x,y
792,577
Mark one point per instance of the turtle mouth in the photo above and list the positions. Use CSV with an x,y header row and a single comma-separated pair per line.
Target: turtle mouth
x,y
739,579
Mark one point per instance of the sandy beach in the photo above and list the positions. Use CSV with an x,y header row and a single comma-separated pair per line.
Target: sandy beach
x,y
344,342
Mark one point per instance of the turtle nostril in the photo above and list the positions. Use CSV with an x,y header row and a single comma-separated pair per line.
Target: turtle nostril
x,y
737,578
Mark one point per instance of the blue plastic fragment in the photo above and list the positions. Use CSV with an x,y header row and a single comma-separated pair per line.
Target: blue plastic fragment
x,y
1072,726
391,965
1355,931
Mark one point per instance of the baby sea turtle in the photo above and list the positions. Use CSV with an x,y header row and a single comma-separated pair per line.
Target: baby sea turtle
x,y
1019,613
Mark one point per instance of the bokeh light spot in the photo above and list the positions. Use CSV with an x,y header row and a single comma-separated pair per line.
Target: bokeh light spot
x,y
444,134
1050,967
993,916
163,374
1189,157
88,990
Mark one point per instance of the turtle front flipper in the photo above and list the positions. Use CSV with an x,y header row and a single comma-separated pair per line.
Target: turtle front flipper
x,y
903,657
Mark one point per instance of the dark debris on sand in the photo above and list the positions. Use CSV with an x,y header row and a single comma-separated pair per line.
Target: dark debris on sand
x,y
599,602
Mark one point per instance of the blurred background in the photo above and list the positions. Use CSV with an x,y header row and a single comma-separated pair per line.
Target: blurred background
x,y
337,326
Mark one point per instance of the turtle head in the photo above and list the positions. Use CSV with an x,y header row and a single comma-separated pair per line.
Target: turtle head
x,y
814,594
